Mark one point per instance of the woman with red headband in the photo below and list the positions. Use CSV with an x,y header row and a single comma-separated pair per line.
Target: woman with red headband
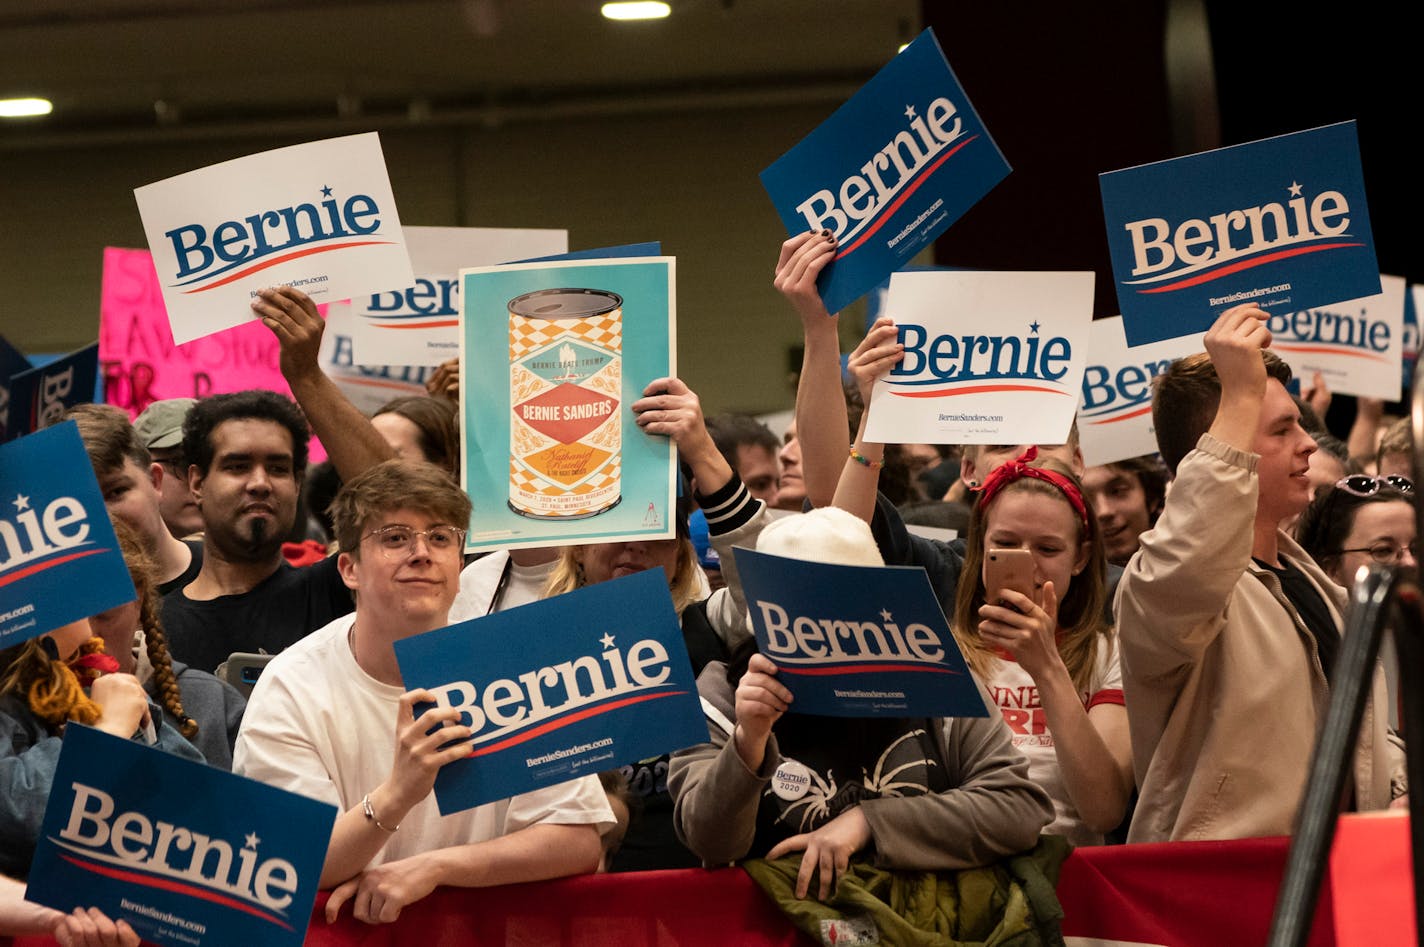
x,y
1049,660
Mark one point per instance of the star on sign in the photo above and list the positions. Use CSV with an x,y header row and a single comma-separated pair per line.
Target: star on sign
x,y
1033,327
252,840
326,192
1294,189
22,502
606,640
910,112
885,614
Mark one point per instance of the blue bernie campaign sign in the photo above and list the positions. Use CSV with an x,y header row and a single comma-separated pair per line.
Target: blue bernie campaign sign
x,y
857,641
188,854
39,397
558,689
654,248
1281,223
888,172
12,363
59,560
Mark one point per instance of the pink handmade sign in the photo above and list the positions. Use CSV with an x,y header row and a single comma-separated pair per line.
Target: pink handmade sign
x,y
140,363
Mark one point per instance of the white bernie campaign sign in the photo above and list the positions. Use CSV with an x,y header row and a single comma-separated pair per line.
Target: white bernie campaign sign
x,y
368,387
990,358
1115,413
319,217
1356,345
420,324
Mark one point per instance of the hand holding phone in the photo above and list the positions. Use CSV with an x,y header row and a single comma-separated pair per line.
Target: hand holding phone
x,y
1008,569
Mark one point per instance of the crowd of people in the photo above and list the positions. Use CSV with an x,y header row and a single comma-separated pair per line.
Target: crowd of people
x,y
1160,674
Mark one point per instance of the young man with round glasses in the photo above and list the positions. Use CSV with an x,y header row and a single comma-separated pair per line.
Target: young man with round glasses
x,y
330,719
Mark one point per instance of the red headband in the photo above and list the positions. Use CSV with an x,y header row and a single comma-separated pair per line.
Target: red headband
x,y
1014,470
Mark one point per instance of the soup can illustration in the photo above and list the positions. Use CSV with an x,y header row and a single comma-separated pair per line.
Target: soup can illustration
x,y
565,392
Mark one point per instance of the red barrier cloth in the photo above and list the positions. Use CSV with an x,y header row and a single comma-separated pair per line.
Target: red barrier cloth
x,y
1182,894
647,909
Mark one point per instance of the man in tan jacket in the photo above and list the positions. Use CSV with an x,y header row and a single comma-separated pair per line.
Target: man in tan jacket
x,y
1228,629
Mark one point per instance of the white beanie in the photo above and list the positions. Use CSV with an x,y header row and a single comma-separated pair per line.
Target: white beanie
x,y
827,534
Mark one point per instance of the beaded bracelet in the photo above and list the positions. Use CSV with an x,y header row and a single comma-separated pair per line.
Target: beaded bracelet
x,y
864,461
371,815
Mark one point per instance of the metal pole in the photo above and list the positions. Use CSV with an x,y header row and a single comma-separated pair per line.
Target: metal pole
x,y
1315,829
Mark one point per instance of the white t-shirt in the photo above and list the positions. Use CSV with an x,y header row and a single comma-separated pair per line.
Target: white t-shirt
x,y
479,581
1016,695
318,725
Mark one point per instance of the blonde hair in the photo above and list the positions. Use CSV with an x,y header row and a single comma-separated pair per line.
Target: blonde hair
x,y
684,586
50,688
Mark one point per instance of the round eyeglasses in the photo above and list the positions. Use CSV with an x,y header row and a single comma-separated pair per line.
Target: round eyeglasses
x,y
1386,554
396,541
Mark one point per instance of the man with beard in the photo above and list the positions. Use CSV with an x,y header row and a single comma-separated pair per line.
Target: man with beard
x,y
247,453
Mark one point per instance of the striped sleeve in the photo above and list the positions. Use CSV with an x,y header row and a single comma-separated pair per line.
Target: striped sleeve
x,y
728,508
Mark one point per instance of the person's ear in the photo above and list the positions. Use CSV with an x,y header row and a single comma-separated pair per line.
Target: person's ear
x,y
346,565
966,468
156,474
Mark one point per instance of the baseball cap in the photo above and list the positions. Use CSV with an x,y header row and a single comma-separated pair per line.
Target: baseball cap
x,y
160,424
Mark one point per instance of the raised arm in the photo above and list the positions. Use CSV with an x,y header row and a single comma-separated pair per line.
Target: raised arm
x,y
1365,431
1173,595
1235,342
734,516
820,402
670,408
350,441
873,358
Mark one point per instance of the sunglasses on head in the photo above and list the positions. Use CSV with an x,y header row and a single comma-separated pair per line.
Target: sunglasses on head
x,y
1363,485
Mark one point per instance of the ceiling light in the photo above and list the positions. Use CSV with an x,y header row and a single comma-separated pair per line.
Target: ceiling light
x,y
636,10
23,108
903,47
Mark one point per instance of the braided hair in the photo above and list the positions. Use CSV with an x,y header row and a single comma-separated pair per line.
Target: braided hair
x,y
144,575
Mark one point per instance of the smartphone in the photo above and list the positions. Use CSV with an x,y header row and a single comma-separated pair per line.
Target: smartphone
x,y
1007,569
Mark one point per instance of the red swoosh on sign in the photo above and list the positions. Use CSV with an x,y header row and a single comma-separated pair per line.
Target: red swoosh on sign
x,y
296,254
895,205
192,891
1246,265
1328,350
973,390
40,567
862,669
565,721
1123,417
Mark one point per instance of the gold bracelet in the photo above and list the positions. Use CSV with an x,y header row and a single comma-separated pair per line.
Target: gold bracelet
x,y
371,815
864,461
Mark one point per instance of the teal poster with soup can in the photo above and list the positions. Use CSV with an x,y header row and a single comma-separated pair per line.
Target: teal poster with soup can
x,y
553,357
